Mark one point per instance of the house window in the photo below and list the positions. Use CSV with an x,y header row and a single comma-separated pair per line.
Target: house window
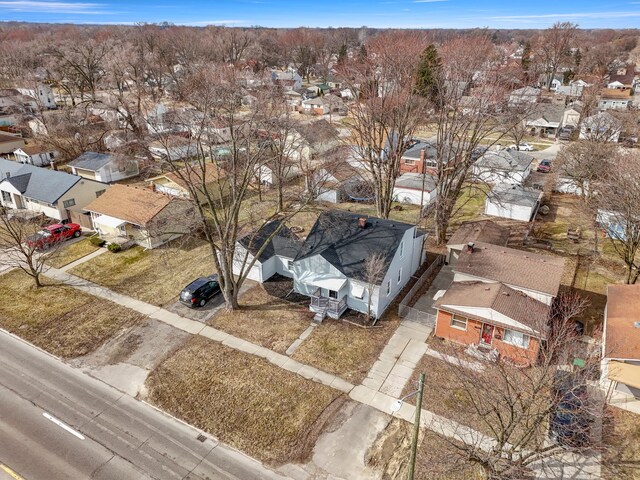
x,y
459,322
290,265
401,248
517,339
6,197
69,203
388,287
408,161
400,275
333,294
99,192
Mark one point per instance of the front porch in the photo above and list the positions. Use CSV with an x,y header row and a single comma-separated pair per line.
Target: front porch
x,y
327,306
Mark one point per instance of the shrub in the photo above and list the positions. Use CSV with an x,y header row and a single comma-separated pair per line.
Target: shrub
x,y
97,241
114,247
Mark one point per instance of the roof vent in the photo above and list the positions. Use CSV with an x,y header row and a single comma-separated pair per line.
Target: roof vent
x,y
636,324
506,294
362,222
470,246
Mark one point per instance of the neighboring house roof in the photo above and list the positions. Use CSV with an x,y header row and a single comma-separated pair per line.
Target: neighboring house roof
x,y
413,152
92,161
416,181
505,160
622,330
194,175
616,94
329,100
34,149
500,298
339,239
5,137
285,243
37,183
526,92
317,132
602,121
486,231
506,194
531,271
134,205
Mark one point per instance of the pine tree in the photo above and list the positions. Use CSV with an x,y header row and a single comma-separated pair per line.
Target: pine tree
x,y
427,82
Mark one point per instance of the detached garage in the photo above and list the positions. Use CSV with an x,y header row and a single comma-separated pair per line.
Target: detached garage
x,y
276,257
415,187
513,201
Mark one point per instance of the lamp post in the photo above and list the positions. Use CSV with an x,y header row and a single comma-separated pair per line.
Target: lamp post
x,y
416,424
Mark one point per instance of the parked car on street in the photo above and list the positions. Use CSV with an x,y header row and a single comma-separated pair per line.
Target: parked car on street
x,y
544,166
53,234
523,147
200,291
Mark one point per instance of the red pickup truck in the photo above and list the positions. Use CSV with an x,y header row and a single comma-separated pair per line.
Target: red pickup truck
x,y
53,234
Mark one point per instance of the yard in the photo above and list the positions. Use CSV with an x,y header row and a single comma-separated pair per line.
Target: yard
x,y
265,319
70,253
269,413
59,319
621,435
154,276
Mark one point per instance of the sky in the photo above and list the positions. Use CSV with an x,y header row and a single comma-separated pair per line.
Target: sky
x,y
334,13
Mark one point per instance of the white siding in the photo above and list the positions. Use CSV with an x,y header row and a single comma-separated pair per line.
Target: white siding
x,y
514,212
412,196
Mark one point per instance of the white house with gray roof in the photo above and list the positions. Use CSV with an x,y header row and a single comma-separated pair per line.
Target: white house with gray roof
x,y
503,166
57,195
415,188
104,167
513,201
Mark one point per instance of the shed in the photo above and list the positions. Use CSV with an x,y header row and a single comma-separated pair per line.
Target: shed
x,y
513,201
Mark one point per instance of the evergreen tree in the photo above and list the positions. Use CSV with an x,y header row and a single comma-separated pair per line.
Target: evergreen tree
x,y
525,62
427,82
577,59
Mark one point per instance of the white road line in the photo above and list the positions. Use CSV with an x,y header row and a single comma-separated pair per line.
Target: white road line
x,y
63,425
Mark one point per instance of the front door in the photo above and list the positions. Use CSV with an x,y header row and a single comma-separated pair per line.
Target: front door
x,y
487,334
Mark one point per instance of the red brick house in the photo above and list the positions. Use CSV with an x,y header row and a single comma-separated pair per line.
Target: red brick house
x,y
420,157
493,316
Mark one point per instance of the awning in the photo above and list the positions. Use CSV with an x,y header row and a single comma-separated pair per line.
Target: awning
x,y
323,280
357,290
626,373
108,221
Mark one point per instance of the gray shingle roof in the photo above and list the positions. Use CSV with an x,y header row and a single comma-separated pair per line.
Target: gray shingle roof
x,y
35,182
413,152
506,194
416,181
92,161
505,160
285,243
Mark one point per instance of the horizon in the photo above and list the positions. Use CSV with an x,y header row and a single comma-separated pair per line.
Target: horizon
x,y
403,14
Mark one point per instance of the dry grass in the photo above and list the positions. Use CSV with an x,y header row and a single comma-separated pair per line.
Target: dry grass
x,y
621,459
265,320
347,350
437,459
154,276
59,319
70,253
245,401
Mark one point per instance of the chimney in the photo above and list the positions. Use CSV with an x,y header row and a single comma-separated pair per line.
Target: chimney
x,y
53,165
470,246
362,222
152,186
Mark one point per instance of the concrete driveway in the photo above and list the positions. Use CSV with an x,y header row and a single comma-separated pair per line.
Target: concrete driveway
x,y
200,314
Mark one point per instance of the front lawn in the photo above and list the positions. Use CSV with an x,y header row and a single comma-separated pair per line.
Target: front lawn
x,y
59,319
70,253
265,411
621,436
265,319
155,276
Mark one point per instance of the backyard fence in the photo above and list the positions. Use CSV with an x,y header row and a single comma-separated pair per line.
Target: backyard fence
x,y
410,313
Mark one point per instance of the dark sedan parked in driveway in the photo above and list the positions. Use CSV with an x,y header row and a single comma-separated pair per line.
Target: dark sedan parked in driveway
x,y
200,291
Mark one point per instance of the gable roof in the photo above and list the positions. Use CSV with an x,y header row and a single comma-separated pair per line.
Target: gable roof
x,y
92,161
622,337
285,243
416,181
34,149
507,194
194,174
134,205
486,231
500,298
37,183
338,238
413,152
531,271
506,160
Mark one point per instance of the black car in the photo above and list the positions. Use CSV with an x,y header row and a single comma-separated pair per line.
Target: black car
x,y
200,291
570,421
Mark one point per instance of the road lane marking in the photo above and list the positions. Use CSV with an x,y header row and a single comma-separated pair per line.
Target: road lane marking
x,y
63,425
10,472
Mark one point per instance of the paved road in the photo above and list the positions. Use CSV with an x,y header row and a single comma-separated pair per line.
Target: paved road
x,y
57,423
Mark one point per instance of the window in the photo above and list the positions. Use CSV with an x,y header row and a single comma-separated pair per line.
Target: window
x,y
459,322
99,192
408,161
6,197
69,203
400,275
517,339
401,248
333,294
290,265
388,287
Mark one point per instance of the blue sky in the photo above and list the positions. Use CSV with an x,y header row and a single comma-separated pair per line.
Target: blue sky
x,y
336,13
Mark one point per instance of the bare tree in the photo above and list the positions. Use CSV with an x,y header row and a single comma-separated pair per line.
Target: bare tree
x,y
584,163
375,268
554,47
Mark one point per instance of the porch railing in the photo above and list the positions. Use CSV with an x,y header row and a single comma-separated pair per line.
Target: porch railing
x,y
333,305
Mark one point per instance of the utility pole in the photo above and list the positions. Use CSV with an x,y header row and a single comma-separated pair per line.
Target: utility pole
x,y
416,430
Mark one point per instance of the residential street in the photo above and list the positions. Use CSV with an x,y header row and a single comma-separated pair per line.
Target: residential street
x,y
57,423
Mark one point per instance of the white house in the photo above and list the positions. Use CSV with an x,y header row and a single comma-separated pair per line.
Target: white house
x,y
503,166
513,201
104,167
322,105
571,114
615,99
58,195
268,175
340,181
35,155
332,264
173,147
523,96
415,188
267,251
43,93
601,127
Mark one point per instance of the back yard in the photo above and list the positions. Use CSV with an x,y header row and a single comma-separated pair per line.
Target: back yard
x,y
621,459
59,319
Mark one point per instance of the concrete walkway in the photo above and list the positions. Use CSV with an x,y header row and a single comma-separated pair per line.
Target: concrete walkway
x,y
441,282
81,260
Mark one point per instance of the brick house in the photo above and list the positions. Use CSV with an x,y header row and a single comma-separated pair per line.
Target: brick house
x,y
419,157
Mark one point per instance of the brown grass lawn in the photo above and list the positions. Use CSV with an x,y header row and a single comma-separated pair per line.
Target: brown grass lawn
x,y
243,400
70,253
437,459
265,320
621,459
154,276
59,319
347,350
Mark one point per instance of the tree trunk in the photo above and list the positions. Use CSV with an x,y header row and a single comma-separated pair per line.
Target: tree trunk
x,y
280,197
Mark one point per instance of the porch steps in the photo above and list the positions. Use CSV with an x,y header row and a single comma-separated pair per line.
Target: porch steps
x,y
320,316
